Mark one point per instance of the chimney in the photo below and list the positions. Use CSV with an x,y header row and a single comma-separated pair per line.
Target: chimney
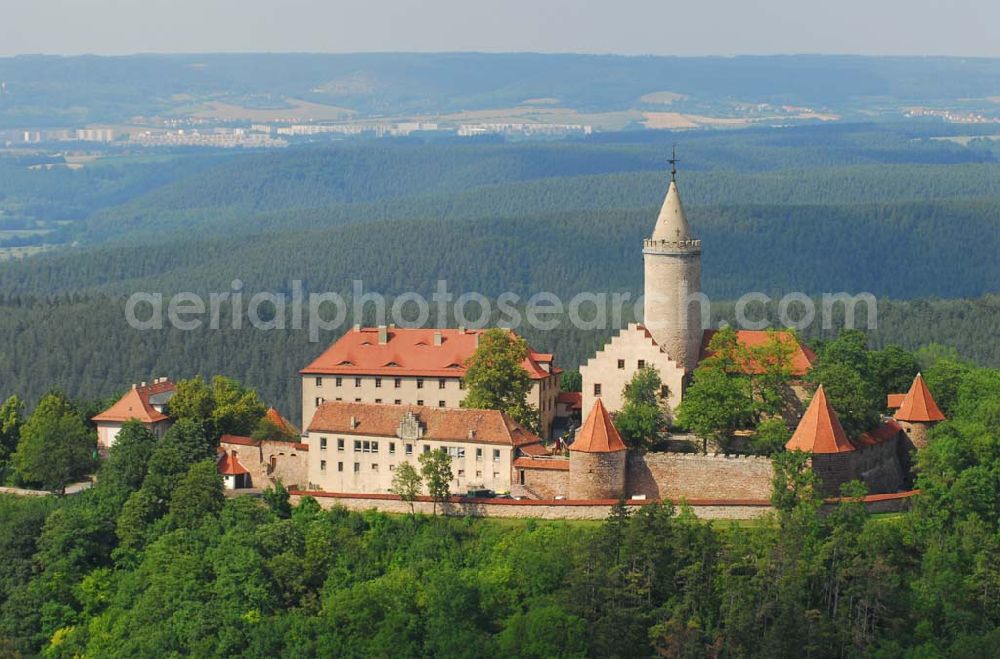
x,y
461,329
437,338
383,335
472,434
143,384
354,422
134,386
357,327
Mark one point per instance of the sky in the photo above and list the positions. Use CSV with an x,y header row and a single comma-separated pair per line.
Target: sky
x,y
657,27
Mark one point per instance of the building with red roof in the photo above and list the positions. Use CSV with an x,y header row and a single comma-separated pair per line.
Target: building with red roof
x,y
411,366
819,431
597,458
356,447
234,475
146,403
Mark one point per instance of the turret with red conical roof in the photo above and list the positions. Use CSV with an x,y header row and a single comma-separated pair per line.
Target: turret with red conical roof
x,y
918,412
597,458
819,431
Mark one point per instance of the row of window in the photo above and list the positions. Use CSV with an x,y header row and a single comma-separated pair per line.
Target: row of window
x,y
397,383
664,390
372,446
641,363
374,467
378,401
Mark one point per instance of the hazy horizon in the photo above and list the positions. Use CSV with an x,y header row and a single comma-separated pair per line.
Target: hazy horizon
x,y
956,28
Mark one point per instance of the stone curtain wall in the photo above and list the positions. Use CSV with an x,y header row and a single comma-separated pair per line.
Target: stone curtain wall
x,y
291,462
696,476
543,483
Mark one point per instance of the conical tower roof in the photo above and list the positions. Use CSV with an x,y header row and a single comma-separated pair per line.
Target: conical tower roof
x,y
919,405
598,434
672,224
819,429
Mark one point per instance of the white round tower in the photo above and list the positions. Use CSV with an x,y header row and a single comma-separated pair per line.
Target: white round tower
x,y
672,256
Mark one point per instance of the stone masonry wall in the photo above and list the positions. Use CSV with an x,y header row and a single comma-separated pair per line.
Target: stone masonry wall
x,y
545,483
696,476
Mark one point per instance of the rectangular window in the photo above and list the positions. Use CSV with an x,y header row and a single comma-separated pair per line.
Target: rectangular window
x,y
441,383
392,448
357,467
378,401
319,382
374,467
357,445
322,465
496,455
440,403
339,399
366,446
398,402
461,385
409,449
378,383
427,449
322,443
357,382
357,400
597,389
339,381
420,383
479,454
420,403
621,364
319,401
340,466
374,447
479,474
461,473
397,383
642,363
340,444
664,391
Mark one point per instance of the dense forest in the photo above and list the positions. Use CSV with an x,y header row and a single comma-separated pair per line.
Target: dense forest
x,y
892,210
155,561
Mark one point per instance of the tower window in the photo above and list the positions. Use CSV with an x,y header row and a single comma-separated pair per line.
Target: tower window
x,y
621,364
597,389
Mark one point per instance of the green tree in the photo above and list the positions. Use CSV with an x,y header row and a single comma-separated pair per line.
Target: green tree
x,y
198,495
128,458
892,370
56,445
277,499
852,397
406,483
643,417
435,469
495,377
770,437
269,430
11,419
794,483
715,405
224,407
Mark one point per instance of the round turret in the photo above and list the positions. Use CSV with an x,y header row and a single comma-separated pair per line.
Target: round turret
x,y
597,458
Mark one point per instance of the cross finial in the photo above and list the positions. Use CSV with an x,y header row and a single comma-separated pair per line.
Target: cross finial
x,y
673,160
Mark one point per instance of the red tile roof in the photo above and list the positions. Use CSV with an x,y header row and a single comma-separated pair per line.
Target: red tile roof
x,y
883,433
275,417
547,464
893,401
919,405
135,404
229,465
802,357
534,450
819,431
438,423
411,352
239,440
571,399
598,434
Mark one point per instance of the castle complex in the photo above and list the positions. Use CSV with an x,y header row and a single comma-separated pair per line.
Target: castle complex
x,y
382,396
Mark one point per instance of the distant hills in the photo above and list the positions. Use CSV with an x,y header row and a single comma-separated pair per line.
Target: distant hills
x,y
67,91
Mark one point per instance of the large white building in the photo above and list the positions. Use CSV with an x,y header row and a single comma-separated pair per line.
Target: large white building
x,y
405,366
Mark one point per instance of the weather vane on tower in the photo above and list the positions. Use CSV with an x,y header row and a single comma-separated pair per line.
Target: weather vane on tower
x,y
673,160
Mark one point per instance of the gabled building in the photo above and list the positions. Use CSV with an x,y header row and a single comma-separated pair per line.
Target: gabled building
x,y
356,447
404,366
146,403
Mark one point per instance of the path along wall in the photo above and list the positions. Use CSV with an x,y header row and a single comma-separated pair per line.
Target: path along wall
x,y
565,509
